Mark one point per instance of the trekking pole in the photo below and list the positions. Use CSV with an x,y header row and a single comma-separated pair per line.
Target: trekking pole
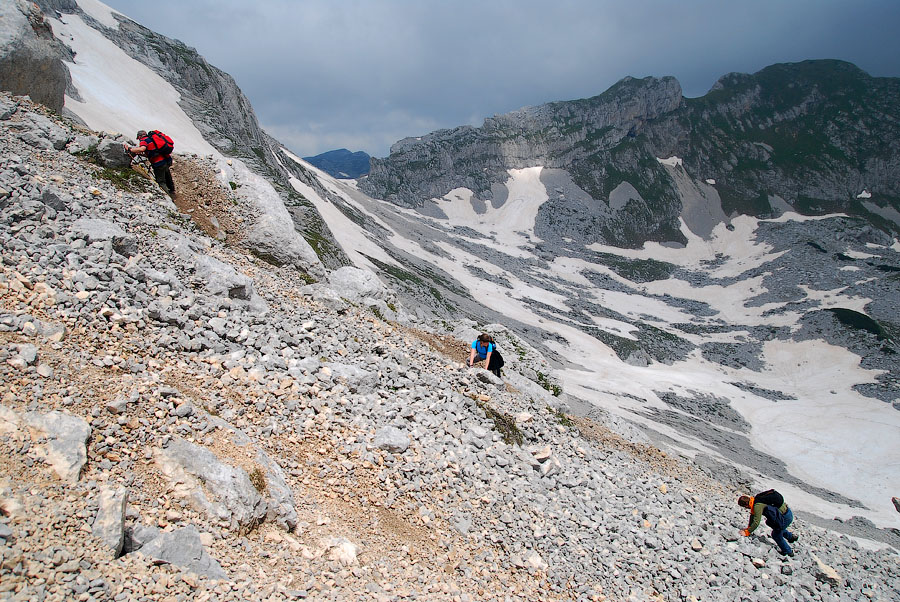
x,y
138,161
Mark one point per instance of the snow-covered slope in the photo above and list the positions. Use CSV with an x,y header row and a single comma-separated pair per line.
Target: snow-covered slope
x,y
119,94
791,417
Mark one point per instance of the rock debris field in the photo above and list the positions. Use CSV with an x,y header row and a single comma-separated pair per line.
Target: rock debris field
x,y
182,421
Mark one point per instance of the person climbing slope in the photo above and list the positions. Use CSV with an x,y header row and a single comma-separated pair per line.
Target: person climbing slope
x,y
157,147
486,350
770,504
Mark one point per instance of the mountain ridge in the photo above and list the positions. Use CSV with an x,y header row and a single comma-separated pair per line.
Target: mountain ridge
x,y
615,142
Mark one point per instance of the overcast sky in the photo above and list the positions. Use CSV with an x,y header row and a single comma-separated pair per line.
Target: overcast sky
x,y
361,74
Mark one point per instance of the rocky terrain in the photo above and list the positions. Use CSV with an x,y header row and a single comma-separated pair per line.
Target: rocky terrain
x,y
181,420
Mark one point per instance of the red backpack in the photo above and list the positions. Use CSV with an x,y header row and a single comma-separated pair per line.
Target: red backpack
x,y
159,146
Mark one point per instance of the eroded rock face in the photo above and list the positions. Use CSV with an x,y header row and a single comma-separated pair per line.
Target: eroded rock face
x,y
65,439
30,57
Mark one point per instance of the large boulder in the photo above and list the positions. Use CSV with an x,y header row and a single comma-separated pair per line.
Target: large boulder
x,y
64,439
30,57
109,524
98,230
279,497
111,153
223,491
273,237
241,496
357,284
221,279
217,277
40,132
183,548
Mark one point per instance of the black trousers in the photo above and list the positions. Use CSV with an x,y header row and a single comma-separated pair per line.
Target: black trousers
x,y
163,175
496,362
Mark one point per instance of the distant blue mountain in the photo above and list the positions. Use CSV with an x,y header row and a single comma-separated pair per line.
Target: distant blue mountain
x,y
341,163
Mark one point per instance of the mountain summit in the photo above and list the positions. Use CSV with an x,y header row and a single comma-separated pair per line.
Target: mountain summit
x,y
341,163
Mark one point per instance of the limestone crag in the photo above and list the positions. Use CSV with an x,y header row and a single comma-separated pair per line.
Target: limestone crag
x,y
31,60
411,476
815,134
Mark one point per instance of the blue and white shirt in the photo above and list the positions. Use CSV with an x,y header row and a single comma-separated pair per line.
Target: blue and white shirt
x,y
482,350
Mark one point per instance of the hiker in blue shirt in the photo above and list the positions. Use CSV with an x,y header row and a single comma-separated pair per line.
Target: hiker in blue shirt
x,y
486,350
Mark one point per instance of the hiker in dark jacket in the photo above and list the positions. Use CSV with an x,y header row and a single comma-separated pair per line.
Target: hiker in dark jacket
x,y
152,146
771,505
486,350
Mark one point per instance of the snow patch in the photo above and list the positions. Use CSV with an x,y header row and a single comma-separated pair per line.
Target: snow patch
x,y
859,254
510,228
121,94
830,435
352,239
865,194
99,11
710,181
672,161
735,251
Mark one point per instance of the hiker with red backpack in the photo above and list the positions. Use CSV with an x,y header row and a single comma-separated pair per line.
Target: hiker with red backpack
x,y
157,147
771,505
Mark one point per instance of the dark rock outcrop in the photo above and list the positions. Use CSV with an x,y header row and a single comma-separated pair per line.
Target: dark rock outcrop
x,y
31,59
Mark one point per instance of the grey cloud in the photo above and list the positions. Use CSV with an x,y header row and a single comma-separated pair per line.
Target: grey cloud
x,y
324,74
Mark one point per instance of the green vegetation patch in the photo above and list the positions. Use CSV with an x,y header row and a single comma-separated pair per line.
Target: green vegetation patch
x,y
258,479
544,381
503,424
125,179
563,418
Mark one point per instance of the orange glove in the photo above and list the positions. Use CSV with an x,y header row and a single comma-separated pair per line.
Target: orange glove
x,y
745,532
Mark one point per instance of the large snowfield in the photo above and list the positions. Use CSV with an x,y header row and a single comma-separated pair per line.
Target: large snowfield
x,y
829,436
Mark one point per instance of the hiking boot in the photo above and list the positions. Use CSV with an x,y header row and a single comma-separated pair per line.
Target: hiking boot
x,y
791,553
791,538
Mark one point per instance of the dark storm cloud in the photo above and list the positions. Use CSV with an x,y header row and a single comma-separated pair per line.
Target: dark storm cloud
x,y
324,74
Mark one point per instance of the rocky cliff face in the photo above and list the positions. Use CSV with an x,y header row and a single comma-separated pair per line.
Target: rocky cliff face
x,y
30,57
815,134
